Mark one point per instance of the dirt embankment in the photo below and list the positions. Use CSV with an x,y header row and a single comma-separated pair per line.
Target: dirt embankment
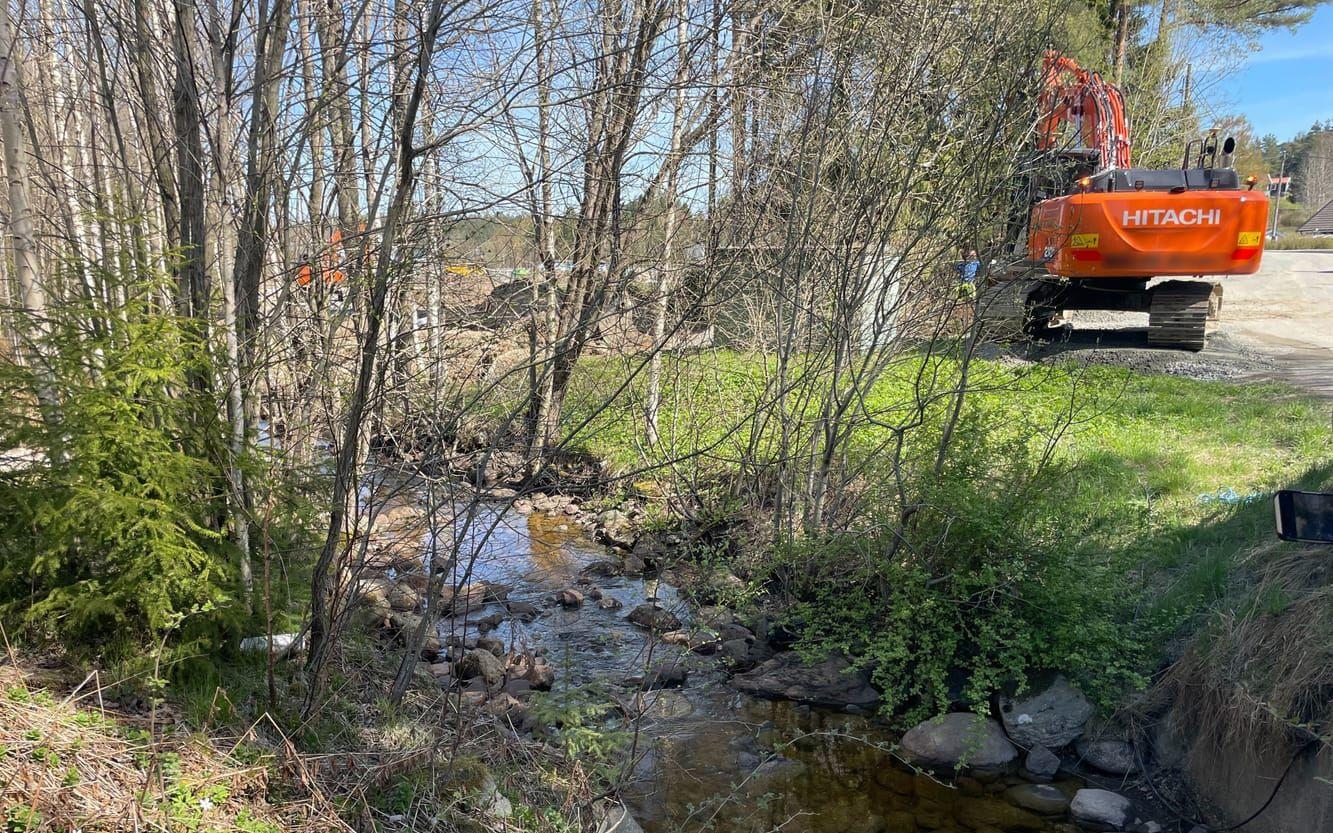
x,y
1276,325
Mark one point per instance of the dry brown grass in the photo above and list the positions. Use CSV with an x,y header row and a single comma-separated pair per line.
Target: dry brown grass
x,y
1260,675
72,758
72,762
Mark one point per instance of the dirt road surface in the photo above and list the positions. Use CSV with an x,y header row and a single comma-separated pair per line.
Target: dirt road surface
x,y
1276,325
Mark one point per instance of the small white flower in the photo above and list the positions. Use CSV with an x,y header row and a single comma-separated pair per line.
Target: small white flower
x,y
206,804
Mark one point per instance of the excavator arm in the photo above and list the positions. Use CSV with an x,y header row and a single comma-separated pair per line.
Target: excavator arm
x,y
1073,95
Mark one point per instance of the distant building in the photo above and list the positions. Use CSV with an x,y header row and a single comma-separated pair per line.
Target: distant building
x,y
1321,222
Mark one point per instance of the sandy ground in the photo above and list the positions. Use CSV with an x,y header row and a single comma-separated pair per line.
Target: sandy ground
x,y
1276,325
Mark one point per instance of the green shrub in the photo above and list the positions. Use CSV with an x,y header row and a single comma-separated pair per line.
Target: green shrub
x,y
984,584
112,540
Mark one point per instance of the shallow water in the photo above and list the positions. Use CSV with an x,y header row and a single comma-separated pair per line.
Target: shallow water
x,y
712,758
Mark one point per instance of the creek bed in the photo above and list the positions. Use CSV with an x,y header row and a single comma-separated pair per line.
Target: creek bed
x,y
712,758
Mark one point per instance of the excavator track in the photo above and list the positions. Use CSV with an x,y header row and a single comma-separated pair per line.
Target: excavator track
x,y
1178,315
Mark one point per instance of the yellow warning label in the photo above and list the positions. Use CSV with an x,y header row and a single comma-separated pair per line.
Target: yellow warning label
x,y
1084,241
1249,238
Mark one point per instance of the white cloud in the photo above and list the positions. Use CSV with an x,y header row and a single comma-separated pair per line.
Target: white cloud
x,y
1291,53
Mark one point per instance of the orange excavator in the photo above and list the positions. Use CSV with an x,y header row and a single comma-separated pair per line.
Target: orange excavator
x,y
1091,230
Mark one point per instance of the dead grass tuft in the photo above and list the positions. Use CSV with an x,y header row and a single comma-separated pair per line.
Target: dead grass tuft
x,y
74,762
1260,675
72,758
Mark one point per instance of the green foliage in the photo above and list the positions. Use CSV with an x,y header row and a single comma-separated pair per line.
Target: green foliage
x,y
980,589
587,733
1006,565
22,820
111,541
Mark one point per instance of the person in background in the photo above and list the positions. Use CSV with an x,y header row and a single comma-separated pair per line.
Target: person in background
x,y
967,274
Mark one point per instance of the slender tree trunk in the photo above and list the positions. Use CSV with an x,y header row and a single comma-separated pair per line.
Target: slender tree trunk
x,y
324,603
192,274
1120,44
667,268
252,242
542,320
158,148
27,268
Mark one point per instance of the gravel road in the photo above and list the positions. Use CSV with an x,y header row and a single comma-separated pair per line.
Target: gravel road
x,y
1276,325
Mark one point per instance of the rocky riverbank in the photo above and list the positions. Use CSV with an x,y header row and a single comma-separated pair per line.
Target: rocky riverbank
x,y
589,598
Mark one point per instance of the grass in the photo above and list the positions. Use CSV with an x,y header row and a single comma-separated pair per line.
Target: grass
x,y
71,764
1159,482
219,759
1292,240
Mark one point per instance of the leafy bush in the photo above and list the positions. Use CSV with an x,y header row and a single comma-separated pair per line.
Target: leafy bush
x,y
111,539
984,584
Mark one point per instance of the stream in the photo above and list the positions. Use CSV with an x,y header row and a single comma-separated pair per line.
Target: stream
x,y
708,759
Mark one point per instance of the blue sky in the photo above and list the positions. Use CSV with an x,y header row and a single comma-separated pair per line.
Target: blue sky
x,y
1288,83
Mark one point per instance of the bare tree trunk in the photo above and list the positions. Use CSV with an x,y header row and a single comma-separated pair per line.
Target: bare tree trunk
x,y
66,132
323,605
332,62
622,66
144,64
133,194
666,269
542,318
1120,42
192,274
252,241
26,264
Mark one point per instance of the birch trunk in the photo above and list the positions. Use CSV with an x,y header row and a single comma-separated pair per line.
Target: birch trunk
x,y
26,263
324,602
667,267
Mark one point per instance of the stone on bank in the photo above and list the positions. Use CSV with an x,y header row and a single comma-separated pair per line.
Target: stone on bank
x,y
959,740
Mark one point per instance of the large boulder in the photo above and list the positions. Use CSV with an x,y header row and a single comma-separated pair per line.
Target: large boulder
x,y
468,597
615,528
961,739
523,610
483,664
1100,807
1112,756
535,670
649,615
405,626
743,654
1051,714
1041,764
618,820
665,675
601,569
569,597
832,682
372,593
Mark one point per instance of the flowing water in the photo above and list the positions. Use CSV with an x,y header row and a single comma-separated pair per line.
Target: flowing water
x,y
711,758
